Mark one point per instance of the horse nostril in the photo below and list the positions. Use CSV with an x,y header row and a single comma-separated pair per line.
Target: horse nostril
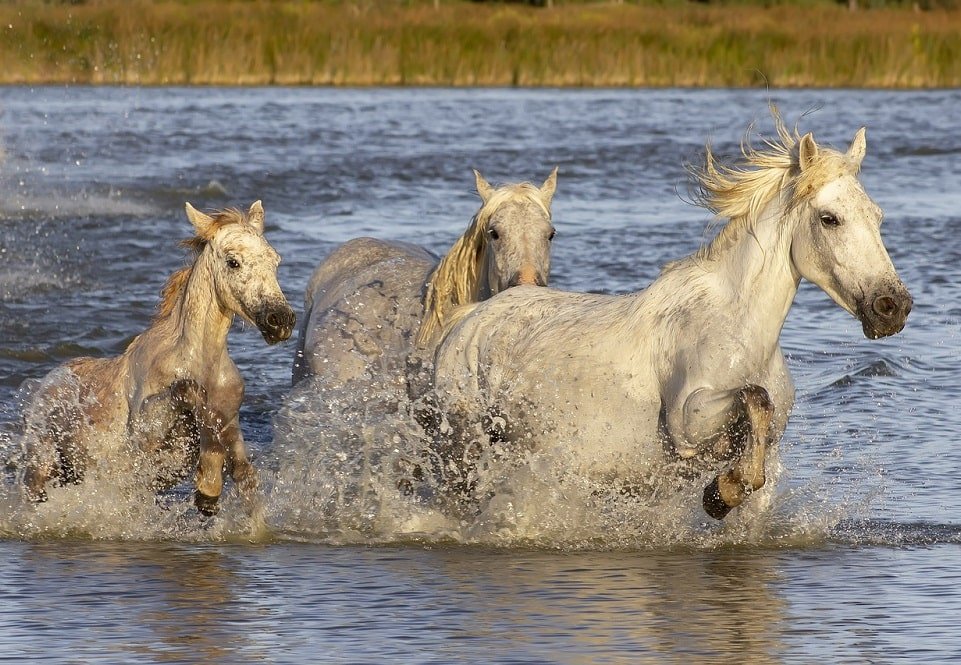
x,y
526,275
274,321
885,306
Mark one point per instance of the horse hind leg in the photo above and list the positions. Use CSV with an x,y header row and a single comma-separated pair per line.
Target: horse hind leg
x,y
752,432
54,454
40,469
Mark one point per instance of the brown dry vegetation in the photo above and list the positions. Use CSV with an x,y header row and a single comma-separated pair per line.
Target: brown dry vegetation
x,y
460,43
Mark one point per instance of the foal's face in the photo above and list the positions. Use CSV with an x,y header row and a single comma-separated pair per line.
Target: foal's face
x,y
838,246
245,275
519,236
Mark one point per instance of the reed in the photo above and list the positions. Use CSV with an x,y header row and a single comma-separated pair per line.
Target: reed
x,y
463,44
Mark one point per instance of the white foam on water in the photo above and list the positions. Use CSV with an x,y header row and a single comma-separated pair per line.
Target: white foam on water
x,y
71,205
343,471
113,501
351,465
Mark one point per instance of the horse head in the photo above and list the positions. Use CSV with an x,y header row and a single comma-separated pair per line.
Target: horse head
x,y
508,243
837,241
244,267
515,234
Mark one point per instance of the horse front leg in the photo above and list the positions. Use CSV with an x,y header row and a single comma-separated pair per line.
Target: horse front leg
x,y
167,430
209,481
241,470
222,446
749,435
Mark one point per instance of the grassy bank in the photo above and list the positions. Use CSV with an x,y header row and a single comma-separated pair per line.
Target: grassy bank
x,y
460,43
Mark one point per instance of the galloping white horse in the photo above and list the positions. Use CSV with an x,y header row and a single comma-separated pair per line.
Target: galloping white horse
x,y
686,375
372,303
174,394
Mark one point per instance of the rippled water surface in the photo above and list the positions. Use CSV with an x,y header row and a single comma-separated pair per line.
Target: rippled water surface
x,y
856,559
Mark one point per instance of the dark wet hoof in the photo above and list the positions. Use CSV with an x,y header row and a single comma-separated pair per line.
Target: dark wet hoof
x,y
713,503
207,505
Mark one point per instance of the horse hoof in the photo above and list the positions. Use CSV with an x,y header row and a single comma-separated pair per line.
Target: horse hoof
x,y
207,505
713,503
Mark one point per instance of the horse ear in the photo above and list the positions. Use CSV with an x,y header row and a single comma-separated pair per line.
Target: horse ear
x,y
200,221
255,216
807,151
858,147
483,187
547,189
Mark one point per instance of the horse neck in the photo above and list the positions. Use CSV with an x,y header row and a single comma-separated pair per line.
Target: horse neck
x,y
759,274
200,321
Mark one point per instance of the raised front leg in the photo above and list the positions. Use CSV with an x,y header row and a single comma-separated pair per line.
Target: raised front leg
x,y
167,430
749,437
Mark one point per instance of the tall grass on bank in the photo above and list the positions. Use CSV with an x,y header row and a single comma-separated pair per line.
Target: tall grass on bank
x,y
343,43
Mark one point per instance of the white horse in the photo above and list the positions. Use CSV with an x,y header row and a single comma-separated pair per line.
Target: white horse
x,y
372,303
686,376
174,394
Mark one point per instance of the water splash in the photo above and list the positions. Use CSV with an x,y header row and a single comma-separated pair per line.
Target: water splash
x,y
114,500
353,465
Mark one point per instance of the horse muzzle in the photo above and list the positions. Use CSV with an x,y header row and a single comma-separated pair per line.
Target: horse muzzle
x,y
527,275
885,313
275,322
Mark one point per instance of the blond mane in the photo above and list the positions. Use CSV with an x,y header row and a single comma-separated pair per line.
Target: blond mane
x,y
457,279
176,284
740,192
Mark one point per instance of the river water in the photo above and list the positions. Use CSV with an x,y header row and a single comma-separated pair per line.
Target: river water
x,y
857,559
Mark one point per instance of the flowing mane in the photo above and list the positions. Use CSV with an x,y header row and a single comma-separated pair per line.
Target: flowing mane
x,y
458,277
740,192
176,284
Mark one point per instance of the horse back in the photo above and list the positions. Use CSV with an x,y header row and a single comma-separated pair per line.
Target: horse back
x,y
351,258
362,303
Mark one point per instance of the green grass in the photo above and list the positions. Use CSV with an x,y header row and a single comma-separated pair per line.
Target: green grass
x,y
462,43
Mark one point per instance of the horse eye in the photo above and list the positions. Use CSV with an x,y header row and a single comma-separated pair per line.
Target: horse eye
x,y
829,219
553,233
494,234
233,263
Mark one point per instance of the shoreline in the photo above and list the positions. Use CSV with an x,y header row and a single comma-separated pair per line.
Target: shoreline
x,y
467,45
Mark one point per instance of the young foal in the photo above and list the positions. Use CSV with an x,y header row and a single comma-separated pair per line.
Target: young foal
x,y
174,394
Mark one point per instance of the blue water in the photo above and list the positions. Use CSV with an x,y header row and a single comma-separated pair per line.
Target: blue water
x,y
857,561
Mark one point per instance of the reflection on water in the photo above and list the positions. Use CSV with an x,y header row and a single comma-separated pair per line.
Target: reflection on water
x,y
697,606
79,601
157,603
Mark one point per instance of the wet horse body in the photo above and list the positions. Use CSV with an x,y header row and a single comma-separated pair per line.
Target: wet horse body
x,y
362,309
686,376
174,394
373,309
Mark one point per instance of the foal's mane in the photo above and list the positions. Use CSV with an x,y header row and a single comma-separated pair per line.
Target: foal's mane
x,y
458,277
176,284
741,191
